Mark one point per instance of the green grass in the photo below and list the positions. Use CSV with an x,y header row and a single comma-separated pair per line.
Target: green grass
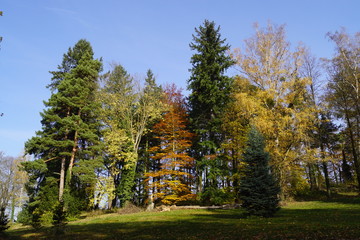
x,y
333,219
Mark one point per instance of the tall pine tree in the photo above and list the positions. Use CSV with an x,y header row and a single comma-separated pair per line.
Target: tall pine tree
x,y
210,91
66,150
259,190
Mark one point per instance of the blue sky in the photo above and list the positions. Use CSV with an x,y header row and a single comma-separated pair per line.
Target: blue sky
x,y
139,35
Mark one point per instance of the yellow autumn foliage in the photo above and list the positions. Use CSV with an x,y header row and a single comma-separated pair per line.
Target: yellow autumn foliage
x,y
272,95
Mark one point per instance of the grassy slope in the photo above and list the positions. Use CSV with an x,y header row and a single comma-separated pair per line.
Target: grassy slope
x,y
338,219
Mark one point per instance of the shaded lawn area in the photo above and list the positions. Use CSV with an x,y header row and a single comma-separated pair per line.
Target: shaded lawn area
x,y
339,219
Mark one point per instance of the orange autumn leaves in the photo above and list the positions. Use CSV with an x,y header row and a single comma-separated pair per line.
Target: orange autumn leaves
x,y
171,182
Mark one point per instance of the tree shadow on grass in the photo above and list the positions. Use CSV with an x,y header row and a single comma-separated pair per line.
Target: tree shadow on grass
x,y
339,198
335,197
224,213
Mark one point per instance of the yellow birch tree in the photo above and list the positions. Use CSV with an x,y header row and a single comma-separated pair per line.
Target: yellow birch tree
x,y
277,105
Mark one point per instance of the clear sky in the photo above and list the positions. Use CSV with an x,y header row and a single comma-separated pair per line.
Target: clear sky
x,y
139,34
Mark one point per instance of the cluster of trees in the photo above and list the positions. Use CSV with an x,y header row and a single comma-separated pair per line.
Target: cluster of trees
x,y
109,139
12,191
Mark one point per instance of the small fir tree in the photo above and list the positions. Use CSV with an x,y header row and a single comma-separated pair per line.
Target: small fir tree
x,y
59,219
258,188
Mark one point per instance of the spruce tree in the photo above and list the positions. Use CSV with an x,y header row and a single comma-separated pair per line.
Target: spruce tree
x,y
66,150
210,90
259,191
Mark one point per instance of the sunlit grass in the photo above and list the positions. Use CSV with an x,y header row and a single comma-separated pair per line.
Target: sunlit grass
x,y
336,219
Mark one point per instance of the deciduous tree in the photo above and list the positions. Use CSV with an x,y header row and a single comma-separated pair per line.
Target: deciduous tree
x,y
127,110
12,183
343,90
279,106
173,181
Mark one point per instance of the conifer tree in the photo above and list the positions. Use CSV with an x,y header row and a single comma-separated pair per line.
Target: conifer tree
x,y
258,189
67,148
210,91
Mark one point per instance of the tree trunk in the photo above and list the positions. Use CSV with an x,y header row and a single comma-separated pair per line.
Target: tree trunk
x,y
335,168
199,179
327,180
354,151
73,153
312,177
326,172
62,179
12,215
62,167
346,172
74,149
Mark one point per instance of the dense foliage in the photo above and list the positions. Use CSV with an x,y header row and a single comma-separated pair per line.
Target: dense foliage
x,y
210,93
67,149
172,181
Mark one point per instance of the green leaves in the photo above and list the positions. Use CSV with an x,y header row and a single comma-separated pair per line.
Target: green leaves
x,y
127,111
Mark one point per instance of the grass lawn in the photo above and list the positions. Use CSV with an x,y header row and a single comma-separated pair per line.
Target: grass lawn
x,y
335,219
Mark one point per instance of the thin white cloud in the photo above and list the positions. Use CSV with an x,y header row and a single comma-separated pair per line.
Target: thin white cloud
x,y
70,14
61,10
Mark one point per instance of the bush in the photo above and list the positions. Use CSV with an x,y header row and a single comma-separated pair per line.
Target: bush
x,y
46,218
215,196
3,220
24,217
189,199
59,215
129,208
74,205
59,219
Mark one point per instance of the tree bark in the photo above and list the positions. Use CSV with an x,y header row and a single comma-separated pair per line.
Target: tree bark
x,y
312,177
354,151
326,172
327,180
62,179
73,153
